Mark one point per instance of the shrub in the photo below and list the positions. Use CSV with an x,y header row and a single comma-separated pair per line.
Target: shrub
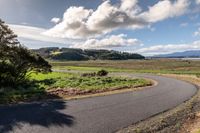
x,y
93,74
89,74
102,73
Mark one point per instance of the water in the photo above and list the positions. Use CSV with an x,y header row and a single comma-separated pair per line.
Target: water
x,y
195,59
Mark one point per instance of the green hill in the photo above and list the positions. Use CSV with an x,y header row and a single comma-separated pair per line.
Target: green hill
x,y
71,54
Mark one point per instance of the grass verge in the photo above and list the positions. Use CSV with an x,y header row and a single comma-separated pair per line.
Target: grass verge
x,y
62,85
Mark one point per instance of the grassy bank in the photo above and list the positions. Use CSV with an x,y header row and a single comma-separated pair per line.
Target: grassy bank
x,y
67,81
56,85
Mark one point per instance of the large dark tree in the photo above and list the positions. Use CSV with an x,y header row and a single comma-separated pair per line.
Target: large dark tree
x,y
16,61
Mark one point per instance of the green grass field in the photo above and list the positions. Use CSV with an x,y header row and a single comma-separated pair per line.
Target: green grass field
x,y
66,81
165,66
39,84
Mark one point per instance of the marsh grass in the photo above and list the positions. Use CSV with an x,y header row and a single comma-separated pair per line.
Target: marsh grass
x,y
163,66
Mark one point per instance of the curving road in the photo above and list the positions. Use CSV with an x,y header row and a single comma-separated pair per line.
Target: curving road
x,y
104,114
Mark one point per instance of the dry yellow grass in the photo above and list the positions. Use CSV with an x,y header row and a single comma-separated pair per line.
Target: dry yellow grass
x,y
192,125
189,78
164,66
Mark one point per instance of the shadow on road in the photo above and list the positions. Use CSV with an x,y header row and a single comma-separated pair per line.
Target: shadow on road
x,y
43,114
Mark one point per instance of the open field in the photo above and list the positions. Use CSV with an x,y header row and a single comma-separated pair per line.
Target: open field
x,y
51,85
137,66
42,85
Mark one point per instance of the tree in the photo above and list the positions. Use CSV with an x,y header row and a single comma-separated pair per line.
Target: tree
x,y
16,61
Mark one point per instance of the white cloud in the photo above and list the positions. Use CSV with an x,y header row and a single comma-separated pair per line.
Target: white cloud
x,y
165,9
198,1
55,20
35,33
108,18
130,7
128,4
197,33
109,42
170,48
73,24
79,22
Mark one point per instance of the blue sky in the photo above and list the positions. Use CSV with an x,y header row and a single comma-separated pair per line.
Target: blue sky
x,y
142,26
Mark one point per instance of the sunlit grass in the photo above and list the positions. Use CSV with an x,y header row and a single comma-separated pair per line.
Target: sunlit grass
x,y
66,80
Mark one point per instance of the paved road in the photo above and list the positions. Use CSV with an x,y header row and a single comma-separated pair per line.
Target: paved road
x,y
104,114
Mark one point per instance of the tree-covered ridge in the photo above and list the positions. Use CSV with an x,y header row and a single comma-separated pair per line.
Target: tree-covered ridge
x,y
56,53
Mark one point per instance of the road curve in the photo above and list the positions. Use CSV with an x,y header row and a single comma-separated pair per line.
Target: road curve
x,y
103,114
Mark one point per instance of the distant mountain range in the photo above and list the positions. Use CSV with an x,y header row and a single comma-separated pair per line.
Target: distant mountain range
x,y
71,54
185,54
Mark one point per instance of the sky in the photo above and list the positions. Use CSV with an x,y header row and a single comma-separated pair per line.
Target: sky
x,y
148,27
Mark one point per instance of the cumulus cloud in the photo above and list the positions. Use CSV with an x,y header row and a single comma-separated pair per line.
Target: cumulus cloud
x,y
129,6
79,22
170,48
108,18
55,20
165,9
109,42
73,24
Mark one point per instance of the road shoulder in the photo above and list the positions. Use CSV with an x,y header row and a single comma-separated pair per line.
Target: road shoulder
x,y
172,120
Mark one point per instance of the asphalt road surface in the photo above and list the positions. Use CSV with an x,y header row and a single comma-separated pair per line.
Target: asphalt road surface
x,y
103,114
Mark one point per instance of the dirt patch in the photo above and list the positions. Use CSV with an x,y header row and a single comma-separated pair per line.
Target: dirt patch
x,y
192,126
172,121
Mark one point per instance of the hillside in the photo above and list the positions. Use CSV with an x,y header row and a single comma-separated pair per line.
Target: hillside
x,y
185,54
71,54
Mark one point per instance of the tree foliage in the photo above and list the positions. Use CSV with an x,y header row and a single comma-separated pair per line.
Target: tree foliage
x,y
16,60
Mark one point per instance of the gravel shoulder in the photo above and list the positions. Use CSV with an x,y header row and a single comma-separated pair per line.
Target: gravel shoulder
x,y
184,118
